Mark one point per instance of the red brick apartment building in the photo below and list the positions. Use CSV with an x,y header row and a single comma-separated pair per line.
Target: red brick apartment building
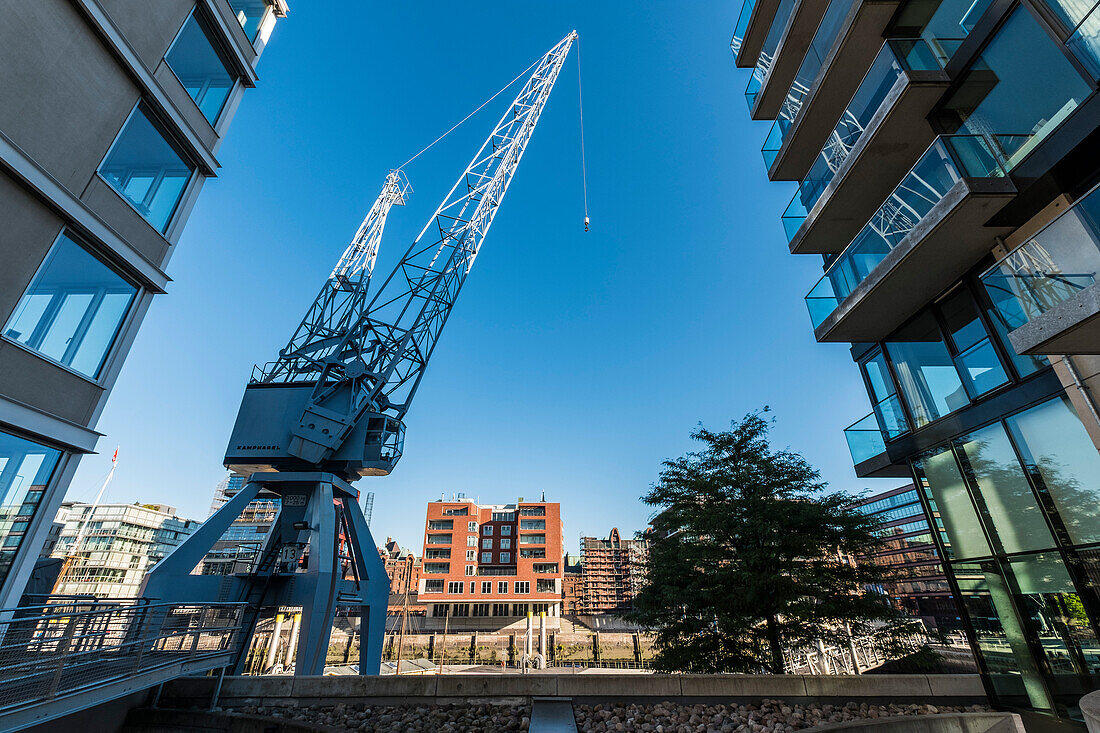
x,y
487,566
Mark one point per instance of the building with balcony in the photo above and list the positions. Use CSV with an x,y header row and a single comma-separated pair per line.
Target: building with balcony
x,y
487,566
918,586
944,156
108,548
612,572
110,123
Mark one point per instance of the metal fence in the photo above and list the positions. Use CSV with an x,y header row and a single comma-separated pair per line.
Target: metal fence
x,y
71,645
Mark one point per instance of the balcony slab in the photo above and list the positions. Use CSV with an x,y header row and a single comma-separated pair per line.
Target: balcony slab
x,y
857,44
763,13
800,30
882,466
939,250
893,141
1071,327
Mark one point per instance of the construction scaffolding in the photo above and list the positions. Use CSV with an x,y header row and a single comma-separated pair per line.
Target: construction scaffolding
x,y
611,573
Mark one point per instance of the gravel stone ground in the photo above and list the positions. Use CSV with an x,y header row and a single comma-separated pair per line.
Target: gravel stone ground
x,y
403,719
769,716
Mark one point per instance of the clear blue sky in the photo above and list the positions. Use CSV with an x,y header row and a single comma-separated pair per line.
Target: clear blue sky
x,y
573,363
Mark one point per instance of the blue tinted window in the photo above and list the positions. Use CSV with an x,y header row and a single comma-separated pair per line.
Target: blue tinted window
x,y
250,14
73,309
200,69
926,372
146,170
25,470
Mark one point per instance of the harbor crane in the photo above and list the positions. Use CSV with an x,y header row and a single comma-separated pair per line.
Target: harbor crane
x,y
331,409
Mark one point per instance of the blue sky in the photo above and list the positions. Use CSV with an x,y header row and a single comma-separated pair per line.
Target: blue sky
x,y
573,363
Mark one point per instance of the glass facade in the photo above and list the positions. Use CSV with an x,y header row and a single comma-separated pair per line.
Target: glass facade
x,y
250,14
200,69
73,309
25,471
144,168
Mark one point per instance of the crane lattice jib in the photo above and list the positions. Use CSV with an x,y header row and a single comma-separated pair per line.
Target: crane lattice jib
x,y
395,338
343,298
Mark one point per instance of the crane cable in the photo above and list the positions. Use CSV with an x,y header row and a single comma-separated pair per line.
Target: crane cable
x,y
580,107
456,126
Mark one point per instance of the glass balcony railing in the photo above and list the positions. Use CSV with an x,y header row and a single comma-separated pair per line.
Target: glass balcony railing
x,y
742,26
897,55
867,437
1081,18
1052,266
948,160
756,80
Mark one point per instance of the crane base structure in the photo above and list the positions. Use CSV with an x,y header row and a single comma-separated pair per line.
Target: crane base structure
x,y
319,556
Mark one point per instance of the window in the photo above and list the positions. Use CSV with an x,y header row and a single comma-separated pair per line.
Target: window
x,y
471,570
502,587
486,587
540,553
532,524
943,484
506,530
456,512
504,516
880,385
1060,458
454,587
486,557
506,557
471,554
144,168
437,554
487,529
440,609
471,526
250,14
73,309
545,585
976,358
473,585
437,568
25,471
532,539
461,609
537,608
519,609
439,539
500,609
441,524
481,609
505,543
200,69
532,511
522,586
487,544
433,586
545,567
926,372
471,541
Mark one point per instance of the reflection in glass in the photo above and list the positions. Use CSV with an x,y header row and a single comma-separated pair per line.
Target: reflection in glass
x,y
1061,458
200,69
1000,636
145,169
250,14
1005,495
25,471
943,484
926,372
73,309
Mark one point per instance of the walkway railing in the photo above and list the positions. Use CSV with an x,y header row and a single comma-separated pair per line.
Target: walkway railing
x,y
70,646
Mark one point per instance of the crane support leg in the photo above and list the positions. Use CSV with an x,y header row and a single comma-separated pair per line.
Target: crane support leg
x,y
318,586
375,585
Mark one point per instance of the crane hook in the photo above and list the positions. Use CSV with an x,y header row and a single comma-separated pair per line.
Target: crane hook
x,y
586,223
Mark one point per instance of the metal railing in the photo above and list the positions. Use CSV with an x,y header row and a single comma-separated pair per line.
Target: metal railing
x,y
71,645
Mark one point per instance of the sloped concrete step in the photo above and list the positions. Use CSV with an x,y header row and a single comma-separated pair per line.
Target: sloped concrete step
x,y
552,715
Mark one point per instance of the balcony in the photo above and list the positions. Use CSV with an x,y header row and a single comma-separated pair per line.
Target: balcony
x,y
792,145
1046,290
926,234
752,27
867,439
775,72
880,135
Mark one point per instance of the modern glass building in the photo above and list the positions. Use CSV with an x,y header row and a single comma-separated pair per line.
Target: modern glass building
x,y
107,133
944,156
918,584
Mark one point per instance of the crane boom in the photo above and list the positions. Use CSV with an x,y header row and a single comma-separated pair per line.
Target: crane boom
x,y
342,299
383,357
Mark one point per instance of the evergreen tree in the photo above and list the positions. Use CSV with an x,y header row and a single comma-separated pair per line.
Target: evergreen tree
x,y
749,556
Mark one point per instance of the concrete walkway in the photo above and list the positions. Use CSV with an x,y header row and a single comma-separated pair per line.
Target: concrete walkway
x,y
552,715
